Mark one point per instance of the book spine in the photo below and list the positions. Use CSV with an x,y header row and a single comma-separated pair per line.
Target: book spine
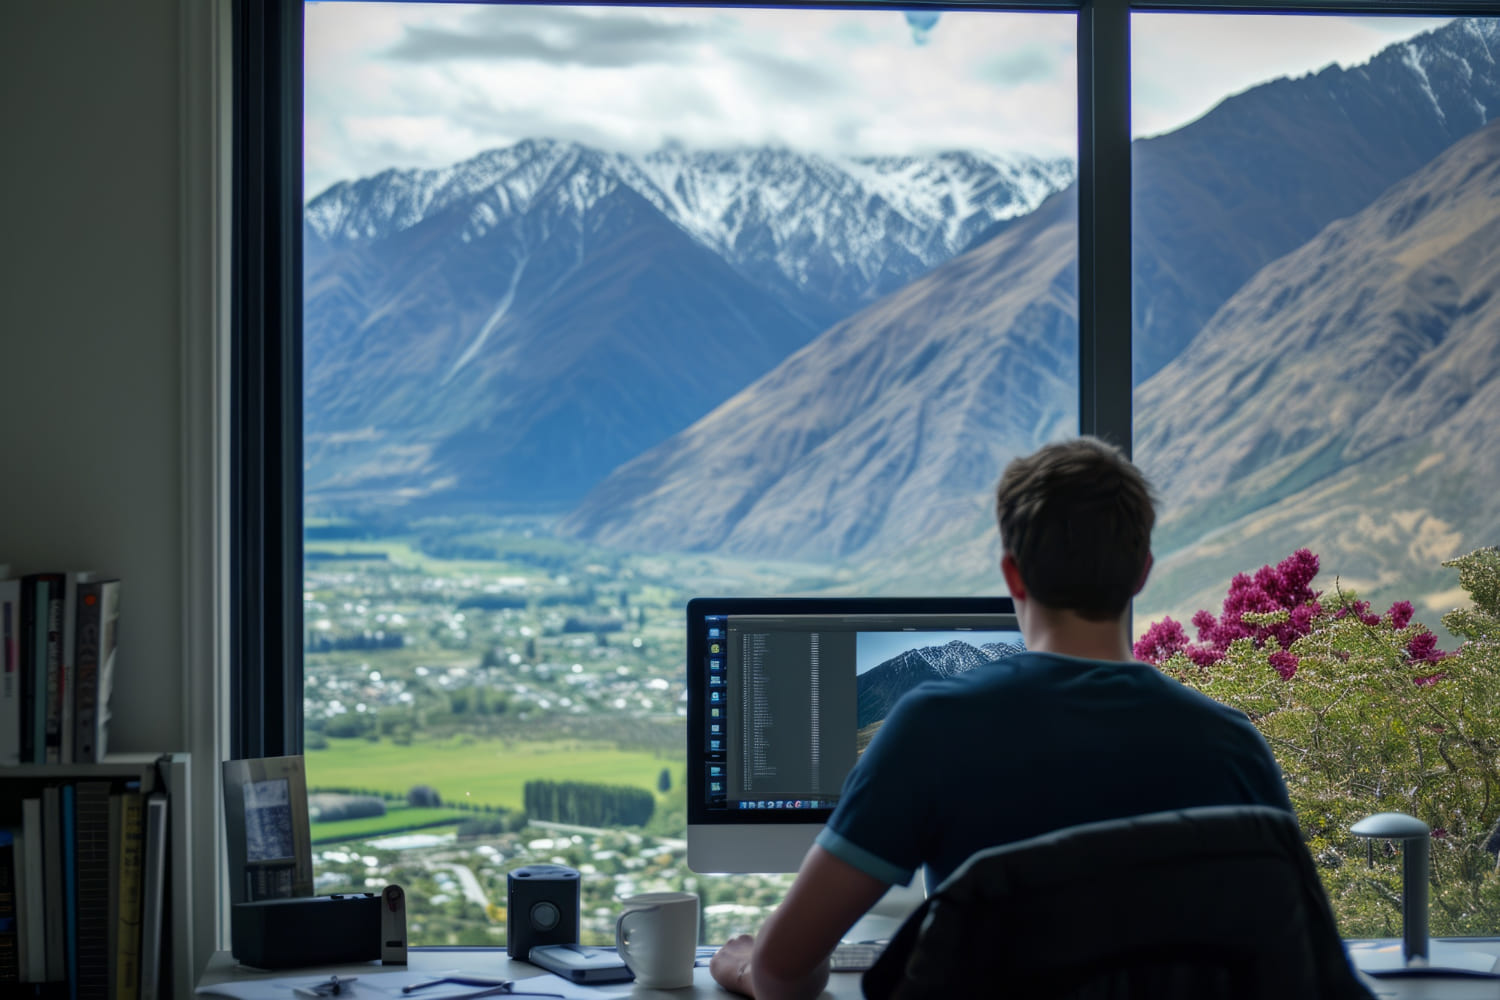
x,y
86,672
153,896
112,912
56,682
18,883
52,879
10,665
34,916
10,957
128,934
67,659
70,886
92,853
33,596
98,638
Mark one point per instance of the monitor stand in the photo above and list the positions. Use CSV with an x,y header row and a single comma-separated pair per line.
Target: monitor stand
x,y
883,919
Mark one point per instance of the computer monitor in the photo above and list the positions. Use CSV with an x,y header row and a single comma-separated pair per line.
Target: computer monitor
x,y
785,693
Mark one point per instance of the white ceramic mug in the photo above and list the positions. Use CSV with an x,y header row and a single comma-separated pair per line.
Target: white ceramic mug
x,y
657,938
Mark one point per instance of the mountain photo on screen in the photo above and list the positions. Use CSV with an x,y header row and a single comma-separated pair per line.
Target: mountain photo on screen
x,y
889,664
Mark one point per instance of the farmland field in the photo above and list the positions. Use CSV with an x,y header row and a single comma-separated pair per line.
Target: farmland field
x,y
483,772
396,818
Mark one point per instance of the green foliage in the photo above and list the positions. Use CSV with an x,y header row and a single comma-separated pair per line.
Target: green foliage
x,y
350,725
1365,725
664,780
585,804
423,796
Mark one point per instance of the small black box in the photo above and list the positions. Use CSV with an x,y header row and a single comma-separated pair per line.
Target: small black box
x,y
542,907
312,930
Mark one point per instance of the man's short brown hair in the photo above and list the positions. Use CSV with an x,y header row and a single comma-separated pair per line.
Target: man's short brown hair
x,y
1076,517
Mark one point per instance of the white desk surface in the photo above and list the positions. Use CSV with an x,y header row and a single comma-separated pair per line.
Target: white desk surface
x,y
222,968
841,986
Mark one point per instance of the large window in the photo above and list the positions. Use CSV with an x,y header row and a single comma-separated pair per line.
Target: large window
x,y
605,308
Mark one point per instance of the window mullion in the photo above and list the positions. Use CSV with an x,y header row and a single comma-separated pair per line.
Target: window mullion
x,y
1104,311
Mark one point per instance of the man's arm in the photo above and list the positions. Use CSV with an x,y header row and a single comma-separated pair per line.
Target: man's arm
x,y
790,956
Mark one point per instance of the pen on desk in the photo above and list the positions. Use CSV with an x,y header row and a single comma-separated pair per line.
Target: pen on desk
x,y
332,986
456,981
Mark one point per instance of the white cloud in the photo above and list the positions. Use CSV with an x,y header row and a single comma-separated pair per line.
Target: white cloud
x,y
427,85
1184,64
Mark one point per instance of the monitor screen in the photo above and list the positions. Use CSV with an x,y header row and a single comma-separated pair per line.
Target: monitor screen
x,y
784,694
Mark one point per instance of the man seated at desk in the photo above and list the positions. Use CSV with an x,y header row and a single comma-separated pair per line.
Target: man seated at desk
x,y
1072,731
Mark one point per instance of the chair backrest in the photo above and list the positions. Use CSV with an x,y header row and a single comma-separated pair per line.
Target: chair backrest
x,y
1213,902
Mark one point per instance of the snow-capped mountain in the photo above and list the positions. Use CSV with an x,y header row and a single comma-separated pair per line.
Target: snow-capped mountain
x,y
852,229
828,233
508,330
880,687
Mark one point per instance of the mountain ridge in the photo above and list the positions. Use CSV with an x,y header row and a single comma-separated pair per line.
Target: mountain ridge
x,y
880,687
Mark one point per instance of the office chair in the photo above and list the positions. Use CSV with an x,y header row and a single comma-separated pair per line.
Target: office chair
x,y
1204,903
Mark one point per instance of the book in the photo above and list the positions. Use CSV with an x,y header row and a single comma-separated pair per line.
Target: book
x,y
153,896
91,832
94,658
128,933
112,913
32,642
67,678
18,884
70,887
10,672
33,916
49,624
10,958
52,884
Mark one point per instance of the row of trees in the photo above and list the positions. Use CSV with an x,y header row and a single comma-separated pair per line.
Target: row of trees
x,y
585,804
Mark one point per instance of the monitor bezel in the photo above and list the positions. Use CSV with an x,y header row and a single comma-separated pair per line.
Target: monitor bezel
x,y
698,813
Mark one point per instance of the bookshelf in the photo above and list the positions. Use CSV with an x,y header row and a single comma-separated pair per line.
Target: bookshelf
x,y
169,772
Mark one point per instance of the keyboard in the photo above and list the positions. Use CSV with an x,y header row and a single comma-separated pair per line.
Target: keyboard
x,y
855,956
849,956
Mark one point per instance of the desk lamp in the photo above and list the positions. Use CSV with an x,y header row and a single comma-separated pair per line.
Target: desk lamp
x,y
1419,956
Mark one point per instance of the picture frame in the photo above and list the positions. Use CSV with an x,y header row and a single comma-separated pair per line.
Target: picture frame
x,y
267,828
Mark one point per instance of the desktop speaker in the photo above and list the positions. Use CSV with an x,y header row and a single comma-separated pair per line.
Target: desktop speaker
x,y
311,930
542,906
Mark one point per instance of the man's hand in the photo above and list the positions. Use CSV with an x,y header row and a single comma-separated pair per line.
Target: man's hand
x,y
790,956
730,965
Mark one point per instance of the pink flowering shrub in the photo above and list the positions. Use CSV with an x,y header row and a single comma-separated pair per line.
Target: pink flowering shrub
x,y
1277,603
1365,714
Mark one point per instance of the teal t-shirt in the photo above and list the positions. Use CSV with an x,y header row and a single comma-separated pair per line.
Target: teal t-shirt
x,y
1033,743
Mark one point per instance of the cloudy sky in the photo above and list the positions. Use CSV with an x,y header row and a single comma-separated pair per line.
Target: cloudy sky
x,y
428,85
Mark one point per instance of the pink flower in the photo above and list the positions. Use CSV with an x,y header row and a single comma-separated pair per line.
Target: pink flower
x,y
1284,662
1161,642
1287,586
1401,613
1204,657
1423,648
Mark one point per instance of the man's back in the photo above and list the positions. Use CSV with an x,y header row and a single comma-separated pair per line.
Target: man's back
x,y
1034,743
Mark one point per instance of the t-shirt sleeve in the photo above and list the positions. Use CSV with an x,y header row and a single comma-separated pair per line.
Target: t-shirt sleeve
x,y
879,825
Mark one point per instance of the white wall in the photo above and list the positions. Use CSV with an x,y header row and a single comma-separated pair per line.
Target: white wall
x,y
90,414
110,377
